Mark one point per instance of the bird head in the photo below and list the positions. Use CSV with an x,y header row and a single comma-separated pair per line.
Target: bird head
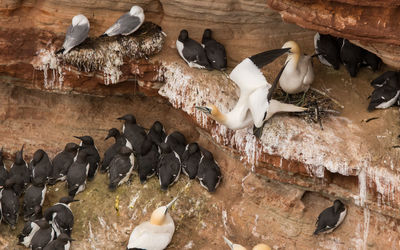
x,y
337,206
293,46
232,245
19,156
86,140
209,109
79,20
71,147
129,118
113,132
158,215
136,11
261,247
206,35
183,35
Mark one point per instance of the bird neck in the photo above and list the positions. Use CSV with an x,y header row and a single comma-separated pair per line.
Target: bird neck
x,y
293,60
218,116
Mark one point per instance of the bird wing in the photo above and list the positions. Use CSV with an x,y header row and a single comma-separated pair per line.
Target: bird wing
x,y
125,25
258,105
75,36
248,77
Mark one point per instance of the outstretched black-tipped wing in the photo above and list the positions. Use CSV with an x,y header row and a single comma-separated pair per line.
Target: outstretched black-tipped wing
x,y
266,57
275,83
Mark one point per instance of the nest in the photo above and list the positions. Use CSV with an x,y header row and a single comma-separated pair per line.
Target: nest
x,y
108,54
319,104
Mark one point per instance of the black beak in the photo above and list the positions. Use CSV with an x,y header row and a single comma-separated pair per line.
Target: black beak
x,y
78,137
108,136
121,118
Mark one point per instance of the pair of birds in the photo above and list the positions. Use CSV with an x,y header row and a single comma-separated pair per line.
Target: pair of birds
x,y
332,51
52,230
210,54
157,153
255,104
78,31
386,91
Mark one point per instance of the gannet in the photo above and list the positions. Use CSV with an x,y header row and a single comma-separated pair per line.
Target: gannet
x,y
155,234
255,104
298,74
77,32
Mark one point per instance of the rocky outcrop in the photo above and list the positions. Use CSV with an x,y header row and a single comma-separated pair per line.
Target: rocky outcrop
x,y
371,24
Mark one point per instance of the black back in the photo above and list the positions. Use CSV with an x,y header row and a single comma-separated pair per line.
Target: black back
x,y
371,60
192,50
9,206
41,167
157,133
120,166
329,217
169,166
351,56
209,173
113,150
147,159
191,160
388,93
64,218
43,236
93,156
77,175
63,161
3,171
32,199
215,51
177,141
20,173
59,243
133,132
384,79
329,49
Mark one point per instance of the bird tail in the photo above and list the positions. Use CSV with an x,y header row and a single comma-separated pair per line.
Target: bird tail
x,y
112,186
278,107
104,35
60,51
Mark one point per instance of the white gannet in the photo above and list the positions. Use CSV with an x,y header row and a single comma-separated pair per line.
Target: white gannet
x,y
77,32
298,74
155,234
232,245
255,104
127,23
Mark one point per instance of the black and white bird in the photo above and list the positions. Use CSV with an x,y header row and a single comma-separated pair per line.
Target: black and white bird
x,y
43,236
61,216
298,74
329,219
30,228
19,171
169,166
121,168
63,242
77,173
177,141
209,173
9,204
33,200
41,167
351,56
157,132
62,161
328,50
371,60
3,170
93,157
255,94
77,33
386,92
191,51
113,150
147,159
127,23
191,160
215,51
133,132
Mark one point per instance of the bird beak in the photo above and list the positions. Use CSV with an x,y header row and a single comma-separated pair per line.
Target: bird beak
x,y
108,136
230,244
74,200
78,137
203,109
120,118
170,204
22,148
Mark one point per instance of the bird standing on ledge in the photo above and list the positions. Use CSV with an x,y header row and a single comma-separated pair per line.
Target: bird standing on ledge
x,y
127,23
77,33
255,94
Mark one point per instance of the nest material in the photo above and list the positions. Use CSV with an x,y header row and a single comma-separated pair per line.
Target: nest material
x,y
319,104
107,54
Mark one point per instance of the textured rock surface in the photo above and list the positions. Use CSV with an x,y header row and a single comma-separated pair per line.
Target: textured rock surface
x,y
306,168
372,23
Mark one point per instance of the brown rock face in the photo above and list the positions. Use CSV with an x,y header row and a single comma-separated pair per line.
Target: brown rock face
x,y
272,190
371,24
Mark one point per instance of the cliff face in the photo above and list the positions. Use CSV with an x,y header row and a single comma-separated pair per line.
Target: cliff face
x,y
370,24
273,189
